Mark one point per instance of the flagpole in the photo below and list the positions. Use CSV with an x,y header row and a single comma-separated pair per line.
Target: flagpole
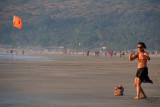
x,y
12,40
12,43
17,22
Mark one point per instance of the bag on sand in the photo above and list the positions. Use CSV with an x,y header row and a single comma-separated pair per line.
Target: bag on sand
x,y
118,90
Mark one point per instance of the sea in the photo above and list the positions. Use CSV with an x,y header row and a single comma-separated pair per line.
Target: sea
x,y
20,57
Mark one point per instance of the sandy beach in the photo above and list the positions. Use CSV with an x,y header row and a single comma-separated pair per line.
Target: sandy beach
x,y
76,81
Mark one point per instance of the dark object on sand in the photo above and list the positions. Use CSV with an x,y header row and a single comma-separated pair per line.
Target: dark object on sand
x,y
118,90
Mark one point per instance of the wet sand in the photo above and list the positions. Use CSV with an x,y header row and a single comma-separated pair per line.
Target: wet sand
x,y
75,81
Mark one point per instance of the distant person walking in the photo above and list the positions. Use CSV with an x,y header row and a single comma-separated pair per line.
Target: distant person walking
x,y
120,53
111,53
22,52
142,72
97,53
7,51
11,51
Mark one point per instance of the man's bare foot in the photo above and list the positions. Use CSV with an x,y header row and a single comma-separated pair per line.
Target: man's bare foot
x,y
144,97
136,98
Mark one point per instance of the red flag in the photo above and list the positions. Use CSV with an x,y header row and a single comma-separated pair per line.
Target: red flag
x,y
17,22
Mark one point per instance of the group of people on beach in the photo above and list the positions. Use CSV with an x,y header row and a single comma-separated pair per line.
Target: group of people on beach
x,y
14,50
